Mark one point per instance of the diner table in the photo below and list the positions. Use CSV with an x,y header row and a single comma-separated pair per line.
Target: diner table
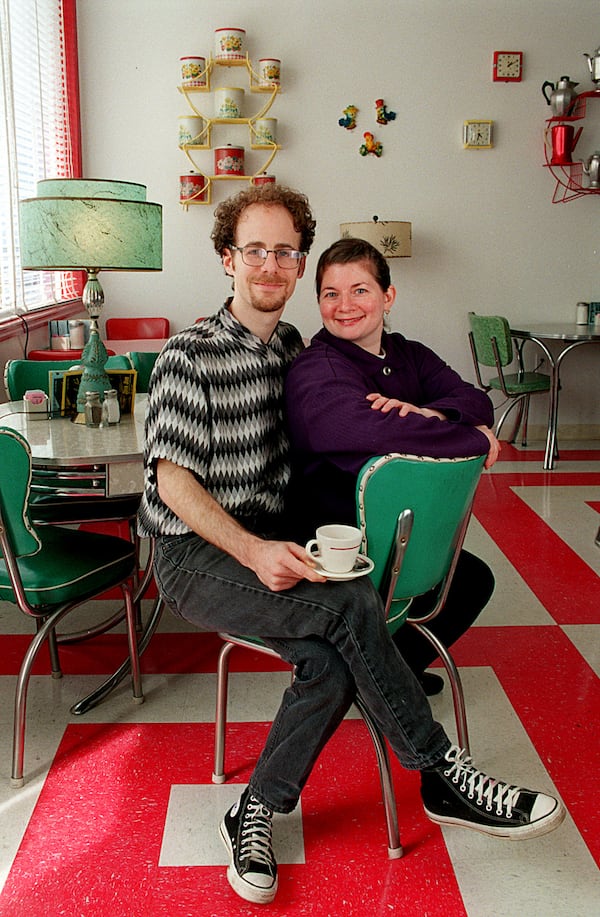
x,y
150,345
568,336
146,345
70,460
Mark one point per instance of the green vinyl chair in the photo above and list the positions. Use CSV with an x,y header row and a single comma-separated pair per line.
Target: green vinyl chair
x,y
48,572
492,346
143,362
413,513
50,500
20,375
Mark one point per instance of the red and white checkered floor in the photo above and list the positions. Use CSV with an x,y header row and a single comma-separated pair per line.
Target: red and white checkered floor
x,y
118,816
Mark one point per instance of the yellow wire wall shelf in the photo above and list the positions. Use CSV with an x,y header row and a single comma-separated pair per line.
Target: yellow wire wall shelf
x,y
204,140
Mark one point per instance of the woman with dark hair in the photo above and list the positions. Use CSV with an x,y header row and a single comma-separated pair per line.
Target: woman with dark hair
x,y
359,391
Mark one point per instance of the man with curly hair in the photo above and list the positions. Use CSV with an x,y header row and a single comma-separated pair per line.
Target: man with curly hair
x,y
216,468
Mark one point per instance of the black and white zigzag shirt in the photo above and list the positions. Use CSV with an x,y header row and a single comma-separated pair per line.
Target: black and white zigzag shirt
x,y
215,407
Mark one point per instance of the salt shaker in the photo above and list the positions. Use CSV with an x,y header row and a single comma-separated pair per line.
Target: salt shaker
x,y
111,412
93,409
583,309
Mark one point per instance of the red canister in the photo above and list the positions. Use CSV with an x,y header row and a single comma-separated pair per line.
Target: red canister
x,y
229,160
263,179
192,187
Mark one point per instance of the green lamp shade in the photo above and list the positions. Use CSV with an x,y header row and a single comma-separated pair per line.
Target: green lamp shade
x,y
82,223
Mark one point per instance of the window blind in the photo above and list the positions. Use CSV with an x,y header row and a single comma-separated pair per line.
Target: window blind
x,y
39,134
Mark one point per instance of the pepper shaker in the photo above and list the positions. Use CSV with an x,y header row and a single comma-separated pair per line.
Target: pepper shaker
x,y
93,409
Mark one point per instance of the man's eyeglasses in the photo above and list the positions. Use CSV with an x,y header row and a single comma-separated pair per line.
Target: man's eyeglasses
x,y
252,256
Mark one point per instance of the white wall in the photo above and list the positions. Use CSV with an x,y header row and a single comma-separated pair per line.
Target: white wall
x,y
486,235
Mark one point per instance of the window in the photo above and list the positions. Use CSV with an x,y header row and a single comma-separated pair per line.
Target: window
x,y
39,134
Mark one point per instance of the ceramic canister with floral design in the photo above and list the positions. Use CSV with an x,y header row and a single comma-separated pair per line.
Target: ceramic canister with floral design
x,y
229,160
269,71
192,130
229,102
263,179
265,131
229,44
193,72
192,186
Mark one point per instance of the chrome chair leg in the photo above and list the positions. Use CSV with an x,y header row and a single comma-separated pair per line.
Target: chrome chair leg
x,y
513,404
383,763
93,699
218,775
458,697
44,631
395,850
55,669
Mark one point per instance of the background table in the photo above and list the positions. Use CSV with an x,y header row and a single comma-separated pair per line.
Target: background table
x,y
107,459
112,347
569,336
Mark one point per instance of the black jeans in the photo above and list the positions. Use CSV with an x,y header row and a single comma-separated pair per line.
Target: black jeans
x,y
336,636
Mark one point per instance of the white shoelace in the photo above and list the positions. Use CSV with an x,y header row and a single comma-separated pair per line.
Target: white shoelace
x,y
255,836
480,786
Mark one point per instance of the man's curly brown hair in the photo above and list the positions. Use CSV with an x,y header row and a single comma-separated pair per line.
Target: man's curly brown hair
x,y
228,213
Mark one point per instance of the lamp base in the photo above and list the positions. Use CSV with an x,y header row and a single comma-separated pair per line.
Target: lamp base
x,y
93,359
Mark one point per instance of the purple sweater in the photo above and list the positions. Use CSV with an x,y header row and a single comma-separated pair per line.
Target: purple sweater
x,y
334,430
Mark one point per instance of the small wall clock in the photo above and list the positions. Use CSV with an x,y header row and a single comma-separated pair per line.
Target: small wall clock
x,y
477,135
507,66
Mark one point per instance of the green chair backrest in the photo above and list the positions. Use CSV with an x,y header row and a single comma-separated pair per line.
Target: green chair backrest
x,y
15,478
143,362
438,492
21,375
486,327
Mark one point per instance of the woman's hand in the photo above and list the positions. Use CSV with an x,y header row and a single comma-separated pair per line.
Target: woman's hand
x,y
495,446
385,405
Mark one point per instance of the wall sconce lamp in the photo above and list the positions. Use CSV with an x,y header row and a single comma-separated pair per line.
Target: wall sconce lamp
x,y
91,225
392,238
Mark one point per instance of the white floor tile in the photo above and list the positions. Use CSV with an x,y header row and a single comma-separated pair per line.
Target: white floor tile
x,y
191,836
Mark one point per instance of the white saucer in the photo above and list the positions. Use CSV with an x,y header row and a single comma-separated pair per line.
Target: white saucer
x,y
362,567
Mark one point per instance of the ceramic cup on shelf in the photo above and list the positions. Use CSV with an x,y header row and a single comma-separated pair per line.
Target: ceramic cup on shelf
x,y
191,130
193,72
229,160
269,72
229,102
265,131
229,44
263,179
192,187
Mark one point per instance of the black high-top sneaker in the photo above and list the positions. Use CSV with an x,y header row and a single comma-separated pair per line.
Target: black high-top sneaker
x,y
456,793
246,831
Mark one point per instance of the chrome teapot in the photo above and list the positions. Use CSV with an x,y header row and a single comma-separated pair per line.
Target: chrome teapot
x,y
592,169
562,97
594,65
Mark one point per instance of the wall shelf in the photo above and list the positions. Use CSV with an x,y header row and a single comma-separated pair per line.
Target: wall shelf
x,y
206,135
569,177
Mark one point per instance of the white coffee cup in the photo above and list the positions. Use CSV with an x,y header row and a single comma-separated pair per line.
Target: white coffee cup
x,y
337,547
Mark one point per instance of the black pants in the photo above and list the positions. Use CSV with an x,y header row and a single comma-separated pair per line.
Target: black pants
x,y
471,590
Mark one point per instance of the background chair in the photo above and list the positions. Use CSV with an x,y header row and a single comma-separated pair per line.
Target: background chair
x,y
129,329
492,346
48,572
413,513
48,502
20,375
143,362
